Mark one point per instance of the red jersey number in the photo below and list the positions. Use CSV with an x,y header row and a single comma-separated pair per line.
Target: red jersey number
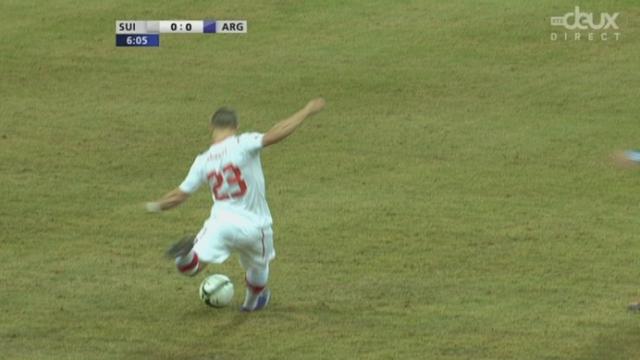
x,y
233,176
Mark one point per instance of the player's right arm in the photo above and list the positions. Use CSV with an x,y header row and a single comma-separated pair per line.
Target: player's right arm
x,y
170,200
180,194
626,158
287,126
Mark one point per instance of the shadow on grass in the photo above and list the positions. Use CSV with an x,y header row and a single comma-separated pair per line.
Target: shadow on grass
x,y
620,342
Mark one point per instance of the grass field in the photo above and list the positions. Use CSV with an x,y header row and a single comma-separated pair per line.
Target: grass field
x,y
454,200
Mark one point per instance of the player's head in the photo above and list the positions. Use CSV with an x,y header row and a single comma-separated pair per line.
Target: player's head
x,y
224,118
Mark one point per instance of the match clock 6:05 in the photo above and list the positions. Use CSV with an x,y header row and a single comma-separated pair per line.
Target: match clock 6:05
x,y
142,40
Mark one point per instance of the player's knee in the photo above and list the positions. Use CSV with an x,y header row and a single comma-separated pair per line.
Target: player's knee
x,y
190,266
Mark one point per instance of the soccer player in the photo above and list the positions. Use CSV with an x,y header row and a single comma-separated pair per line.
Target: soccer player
x,y
240,220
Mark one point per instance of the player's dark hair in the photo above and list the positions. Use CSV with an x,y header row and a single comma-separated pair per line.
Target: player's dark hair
x,y
224,118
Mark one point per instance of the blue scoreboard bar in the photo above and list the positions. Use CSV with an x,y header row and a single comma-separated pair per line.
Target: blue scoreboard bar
x,y
209,27
138,40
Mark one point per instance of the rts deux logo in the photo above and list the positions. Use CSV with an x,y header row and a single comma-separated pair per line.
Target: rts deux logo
x,y
582,25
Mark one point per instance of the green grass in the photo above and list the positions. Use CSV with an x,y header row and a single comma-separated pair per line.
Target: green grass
x,y
453,201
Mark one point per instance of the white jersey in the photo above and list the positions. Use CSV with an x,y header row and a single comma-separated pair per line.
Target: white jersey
x,y
233,171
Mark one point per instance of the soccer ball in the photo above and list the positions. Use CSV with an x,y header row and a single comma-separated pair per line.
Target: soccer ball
x,y
216,290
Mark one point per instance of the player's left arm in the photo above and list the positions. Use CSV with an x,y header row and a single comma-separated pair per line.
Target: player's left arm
x,y
170,200
287,126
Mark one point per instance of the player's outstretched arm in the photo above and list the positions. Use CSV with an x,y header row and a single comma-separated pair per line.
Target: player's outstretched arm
x,y
287,126
170,200
626,158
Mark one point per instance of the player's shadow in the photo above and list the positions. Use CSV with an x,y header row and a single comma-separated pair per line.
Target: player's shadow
x,y
225,320
618,342
230,319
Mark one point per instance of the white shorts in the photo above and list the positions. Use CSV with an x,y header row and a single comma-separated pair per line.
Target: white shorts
x,y
219,237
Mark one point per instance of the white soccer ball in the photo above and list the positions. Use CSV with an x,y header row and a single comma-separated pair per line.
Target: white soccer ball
x,y
216,290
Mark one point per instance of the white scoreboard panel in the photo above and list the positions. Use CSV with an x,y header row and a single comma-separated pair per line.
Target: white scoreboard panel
x,y
181,26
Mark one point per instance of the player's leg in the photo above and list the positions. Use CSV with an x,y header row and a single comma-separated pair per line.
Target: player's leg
x,y
257,295
187,261
192,254
255,254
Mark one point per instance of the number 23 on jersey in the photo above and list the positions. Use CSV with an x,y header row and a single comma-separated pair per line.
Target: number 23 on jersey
x,y
231,175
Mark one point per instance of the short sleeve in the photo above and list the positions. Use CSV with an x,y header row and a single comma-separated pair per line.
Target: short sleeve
x,y
251,142
194,179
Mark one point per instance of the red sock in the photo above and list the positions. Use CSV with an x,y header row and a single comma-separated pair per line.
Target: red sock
x,y
188,265
254,288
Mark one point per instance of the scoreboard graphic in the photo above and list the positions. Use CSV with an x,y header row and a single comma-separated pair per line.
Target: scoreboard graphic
x,y
146,33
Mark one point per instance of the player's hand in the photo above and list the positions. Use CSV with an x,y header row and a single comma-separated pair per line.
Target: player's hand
x,y
315,106
153,207
621,159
